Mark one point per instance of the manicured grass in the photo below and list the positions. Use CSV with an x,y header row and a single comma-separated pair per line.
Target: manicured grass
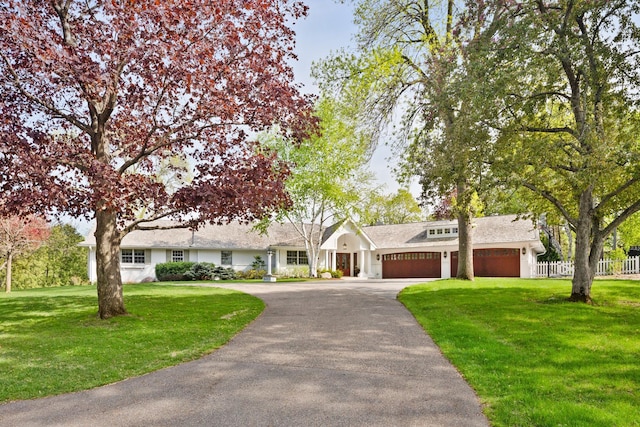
x,y
533,358
51,341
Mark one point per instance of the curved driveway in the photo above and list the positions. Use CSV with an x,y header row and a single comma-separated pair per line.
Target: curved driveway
x,y
341,353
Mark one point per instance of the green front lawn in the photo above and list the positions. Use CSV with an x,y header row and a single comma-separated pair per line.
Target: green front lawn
x,y
51,341
533,358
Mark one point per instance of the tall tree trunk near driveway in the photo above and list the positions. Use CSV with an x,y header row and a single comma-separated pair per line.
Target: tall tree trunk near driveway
x,y
110,297
465,234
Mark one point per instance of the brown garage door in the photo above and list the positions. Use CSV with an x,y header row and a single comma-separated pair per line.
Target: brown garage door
x,y
500,262
411,264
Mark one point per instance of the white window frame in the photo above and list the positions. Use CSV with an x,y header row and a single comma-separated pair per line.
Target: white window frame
x,y
177,255
133,256
226,256
297,258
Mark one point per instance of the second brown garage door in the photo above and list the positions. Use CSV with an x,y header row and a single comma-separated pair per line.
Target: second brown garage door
x,y
501,262
411,264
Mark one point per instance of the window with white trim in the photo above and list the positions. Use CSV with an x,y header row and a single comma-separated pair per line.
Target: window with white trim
x,y
226,258
442,232
177,256
132,256
297,258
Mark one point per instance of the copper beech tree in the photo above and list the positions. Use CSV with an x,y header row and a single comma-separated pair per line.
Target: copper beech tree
x,y
100,100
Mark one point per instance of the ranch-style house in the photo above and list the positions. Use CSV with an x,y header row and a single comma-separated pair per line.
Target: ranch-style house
x,y
504,246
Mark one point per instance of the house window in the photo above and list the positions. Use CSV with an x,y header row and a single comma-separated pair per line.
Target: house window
x,y
177,256
297,258
439,231
432,232
447,231
226,258
132,256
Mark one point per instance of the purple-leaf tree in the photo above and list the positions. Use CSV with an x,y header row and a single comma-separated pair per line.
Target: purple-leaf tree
x,y
101,100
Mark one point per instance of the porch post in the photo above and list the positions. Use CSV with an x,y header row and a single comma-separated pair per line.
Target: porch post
x,y
333,260
269,277
363,268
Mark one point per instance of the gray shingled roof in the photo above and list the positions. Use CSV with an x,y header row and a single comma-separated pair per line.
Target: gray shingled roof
x,y
230,236
488,230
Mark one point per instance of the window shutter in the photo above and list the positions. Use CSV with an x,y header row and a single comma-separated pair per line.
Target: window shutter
x,y
147,256
168,255
186,255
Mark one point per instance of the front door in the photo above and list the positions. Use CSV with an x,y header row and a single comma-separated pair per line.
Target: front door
x,y
343,263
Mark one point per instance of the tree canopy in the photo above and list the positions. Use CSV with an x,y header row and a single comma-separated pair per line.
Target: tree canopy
x,y
59,261
413,63
19,236
398,208
568,84
96,95
329,180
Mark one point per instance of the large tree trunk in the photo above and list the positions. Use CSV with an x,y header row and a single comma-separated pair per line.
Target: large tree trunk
x,y
589,244
110,298
465,235
8,277
465,247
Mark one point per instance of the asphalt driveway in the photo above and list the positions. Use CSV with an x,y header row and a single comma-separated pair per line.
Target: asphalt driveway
x,y
341,353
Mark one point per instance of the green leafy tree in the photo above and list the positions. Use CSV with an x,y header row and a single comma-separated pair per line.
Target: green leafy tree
x,y
568,85
19,236
629,232
413,61
329,178
58,262
399,208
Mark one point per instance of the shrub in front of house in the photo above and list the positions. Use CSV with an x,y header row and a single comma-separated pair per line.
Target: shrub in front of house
x,y
294,272
251,274
221,273
201,271
173,270
184,271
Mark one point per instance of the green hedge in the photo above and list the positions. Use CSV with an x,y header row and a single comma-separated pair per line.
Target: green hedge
x,y
184,271
173,270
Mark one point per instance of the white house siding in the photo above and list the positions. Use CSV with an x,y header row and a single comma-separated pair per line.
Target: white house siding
x,y
241,259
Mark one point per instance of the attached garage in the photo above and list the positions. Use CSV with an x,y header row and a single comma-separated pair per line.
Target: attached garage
x,y
411,264
501,262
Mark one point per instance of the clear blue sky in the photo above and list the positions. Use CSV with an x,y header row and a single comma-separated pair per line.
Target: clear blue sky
x,y
327,28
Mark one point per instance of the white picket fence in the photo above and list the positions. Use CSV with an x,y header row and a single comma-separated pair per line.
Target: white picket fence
x,y
605,267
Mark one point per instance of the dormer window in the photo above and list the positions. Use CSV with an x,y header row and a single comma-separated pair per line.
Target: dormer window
x,y
442,232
